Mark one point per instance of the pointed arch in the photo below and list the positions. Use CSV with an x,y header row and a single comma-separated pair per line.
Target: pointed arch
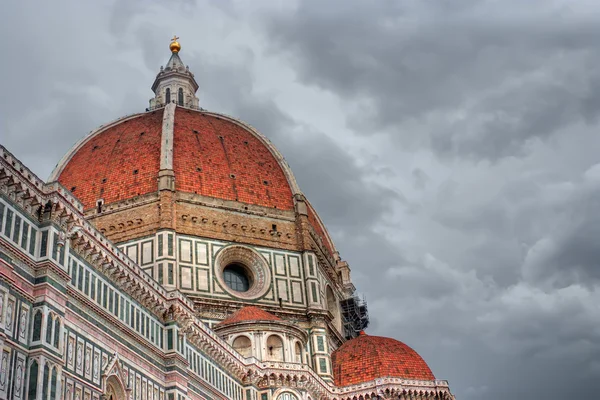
x,y
54,384
37,326
49,325
114,380
33,379
115,390
180,96
46,381
56,332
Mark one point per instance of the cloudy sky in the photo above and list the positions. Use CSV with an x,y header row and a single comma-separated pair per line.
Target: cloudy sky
x,y
451,147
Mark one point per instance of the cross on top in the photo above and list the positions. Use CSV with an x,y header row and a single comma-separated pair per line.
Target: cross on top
x,y
175,38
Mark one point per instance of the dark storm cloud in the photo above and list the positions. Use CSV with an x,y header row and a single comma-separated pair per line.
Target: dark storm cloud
x,y
415,69
571,255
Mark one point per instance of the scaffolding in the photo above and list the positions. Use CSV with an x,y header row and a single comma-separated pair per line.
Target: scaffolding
x,y
355,315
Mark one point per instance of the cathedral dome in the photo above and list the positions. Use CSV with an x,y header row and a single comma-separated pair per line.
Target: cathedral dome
x,y
181,168
210,154
366,358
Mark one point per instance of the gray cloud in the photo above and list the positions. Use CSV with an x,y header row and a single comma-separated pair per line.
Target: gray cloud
x,y
416,70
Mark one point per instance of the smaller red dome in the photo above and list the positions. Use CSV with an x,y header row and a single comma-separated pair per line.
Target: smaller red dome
x,y
366,358
249,313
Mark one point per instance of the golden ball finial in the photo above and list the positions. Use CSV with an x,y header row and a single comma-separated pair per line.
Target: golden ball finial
x,y
175,46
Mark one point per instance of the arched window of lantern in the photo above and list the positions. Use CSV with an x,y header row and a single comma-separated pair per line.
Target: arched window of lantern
x,y
180,96
115,389
298,353
168,96
242,345
274,348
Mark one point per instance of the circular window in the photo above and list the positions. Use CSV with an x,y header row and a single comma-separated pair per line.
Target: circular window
x,y
242,272
236,277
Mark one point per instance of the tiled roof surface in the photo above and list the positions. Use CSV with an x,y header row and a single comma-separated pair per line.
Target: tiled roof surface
x,y
117,164
226,161
366,358
249,313
211,156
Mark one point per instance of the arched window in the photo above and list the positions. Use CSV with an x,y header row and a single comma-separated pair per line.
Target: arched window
x,y
46,380
168,96
274,348
243,345
54,384
49,328
115,389
236,277
180,96
287,396
298,353
37,326
33,378
56,332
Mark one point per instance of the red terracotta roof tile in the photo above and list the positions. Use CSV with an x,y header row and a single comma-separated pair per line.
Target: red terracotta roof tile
x,y
366,358
212,156
218,158
117,164
249,313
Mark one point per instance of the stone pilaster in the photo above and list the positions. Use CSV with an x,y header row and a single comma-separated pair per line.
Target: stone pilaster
x,y
319,345
302,224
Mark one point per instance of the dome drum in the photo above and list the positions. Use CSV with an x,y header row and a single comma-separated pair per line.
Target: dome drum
x,y
254,332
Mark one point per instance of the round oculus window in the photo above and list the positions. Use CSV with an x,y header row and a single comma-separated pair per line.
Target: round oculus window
x,y
236,277
242,272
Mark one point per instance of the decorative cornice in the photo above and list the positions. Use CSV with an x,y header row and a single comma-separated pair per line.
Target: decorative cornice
x,y
166,146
